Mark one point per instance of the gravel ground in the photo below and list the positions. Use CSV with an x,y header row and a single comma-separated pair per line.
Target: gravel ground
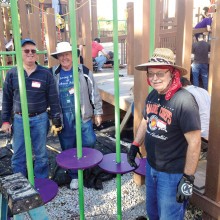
x,y
100,204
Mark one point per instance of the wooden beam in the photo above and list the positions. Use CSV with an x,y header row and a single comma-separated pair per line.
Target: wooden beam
x,y
94,19
50,33
6,23
213,164
130,38
184,30
86,34
212,54
141,55
35,29
206,204
126,118
23,19
2,40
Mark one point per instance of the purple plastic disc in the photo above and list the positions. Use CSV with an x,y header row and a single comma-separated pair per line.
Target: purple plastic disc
x,y
110,165
47,188
142,168
68,159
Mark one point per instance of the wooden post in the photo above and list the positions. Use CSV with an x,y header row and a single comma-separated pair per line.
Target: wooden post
x,y
51,40
2,40
141,55
94,19
212,53
184,33
86,34
6,23
159,18
35,29
212,187
130,38
23,19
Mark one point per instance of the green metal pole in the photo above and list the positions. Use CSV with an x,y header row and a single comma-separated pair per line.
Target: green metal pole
x,y
117,107
72,11
22,90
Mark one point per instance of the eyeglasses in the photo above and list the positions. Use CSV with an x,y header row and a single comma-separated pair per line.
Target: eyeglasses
x,y
27,51
158,74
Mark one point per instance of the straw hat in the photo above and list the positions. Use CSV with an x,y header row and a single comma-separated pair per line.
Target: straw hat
x,y
161,57
62,47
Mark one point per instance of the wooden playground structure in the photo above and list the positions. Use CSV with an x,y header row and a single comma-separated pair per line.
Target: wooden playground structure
x,y
38,22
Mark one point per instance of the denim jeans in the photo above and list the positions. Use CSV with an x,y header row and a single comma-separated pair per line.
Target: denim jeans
x,y
100,60
198,69
161,195
67,137
39,126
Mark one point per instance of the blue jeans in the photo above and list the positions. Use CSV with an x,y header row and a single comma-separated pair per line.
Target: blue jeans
x,y
198,69
100,60
67,137
39,126
161,195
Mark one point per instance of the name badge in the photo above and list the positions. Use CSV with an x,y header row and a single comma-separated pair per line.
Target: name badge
x,y
36,84
71,91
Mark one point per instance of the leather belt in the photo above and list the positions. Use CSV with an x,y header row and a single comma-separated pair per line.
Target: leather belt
x,y
30,114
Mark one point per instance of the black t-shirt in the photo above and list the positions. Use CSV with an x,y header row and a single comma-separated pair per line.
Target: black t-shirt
x,y
168,121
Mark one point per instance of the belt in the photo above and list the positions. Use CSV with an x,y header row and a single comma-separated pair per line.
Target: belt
x,y
30,114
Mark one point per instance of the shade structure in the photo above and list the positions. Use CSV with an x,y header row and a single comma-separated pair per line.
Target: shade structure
x,y
110,165
68,159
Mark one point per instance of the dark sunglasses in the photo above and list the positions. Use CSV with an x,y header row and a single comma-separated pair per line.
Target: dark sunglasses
x,y
28,51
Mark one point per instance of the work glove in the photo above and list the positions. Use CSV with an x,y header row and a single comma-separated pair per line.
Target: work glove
x,y
185,188
56,126
132,154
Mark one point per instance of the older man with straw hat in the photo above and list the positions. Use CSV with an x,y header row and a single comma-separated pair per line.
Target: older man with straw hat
x,y
171,132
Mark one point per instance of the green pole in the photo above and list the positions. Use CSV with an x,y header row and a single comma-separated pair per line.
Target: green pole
x,y
117,107
72,11
22,90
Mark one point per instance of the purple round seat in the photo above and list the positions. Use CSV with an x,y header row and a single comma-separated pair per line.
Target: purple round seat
x,y
47,189
110,165
141,170
68,159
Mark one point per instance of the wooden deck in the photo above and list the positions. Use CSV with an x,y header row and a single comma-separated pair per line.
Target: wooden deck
x,y
105,81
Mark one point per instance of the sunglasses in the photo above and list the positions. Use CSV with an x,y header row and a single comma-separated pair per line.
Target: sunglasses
x,y
158,74
27,51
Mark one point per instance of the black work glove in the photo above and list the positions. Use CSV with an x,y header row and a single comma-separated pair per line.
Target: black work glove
x,y
185,188
132,154
56,126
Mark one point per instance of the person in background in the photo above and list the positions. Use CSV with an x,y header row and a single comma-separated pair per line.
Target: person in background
x,y
200,64
41,94
90,102
172,143
203,100
205,23
96,48
204,13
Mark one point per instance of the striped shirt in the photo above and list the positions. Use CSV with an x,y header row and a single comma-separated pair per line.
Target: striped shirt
x,y
40,89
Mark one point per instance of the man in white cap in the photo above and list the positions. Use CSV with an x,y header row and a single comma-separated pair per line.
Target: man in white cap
x,y
41,93
171,132
90,102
